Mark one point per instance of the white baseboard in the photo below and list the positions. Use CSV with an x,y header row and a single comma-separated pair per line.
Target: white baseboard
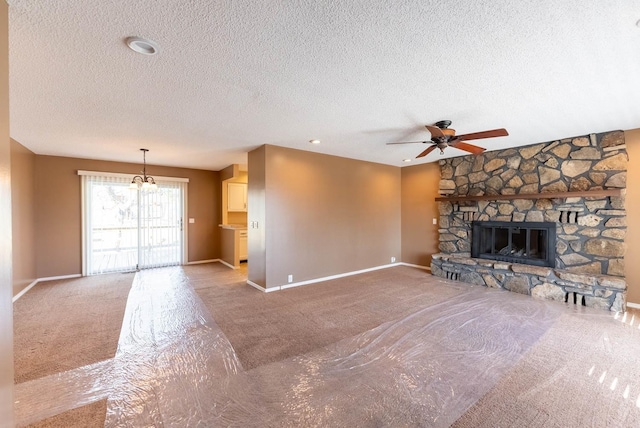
x,y
24,290
37,280
330,277
633,305
227,264
416,266
54,278
200,262
261,288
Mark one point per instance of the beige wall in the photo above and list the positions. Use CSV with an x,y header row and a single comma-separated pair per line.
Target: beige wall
x,y
6,288
23,163
419,208
632,267
327,215
58,210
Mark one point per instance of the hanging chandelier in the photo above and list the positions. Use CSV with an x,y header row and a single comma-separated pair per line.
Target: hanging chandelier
x,y
144,181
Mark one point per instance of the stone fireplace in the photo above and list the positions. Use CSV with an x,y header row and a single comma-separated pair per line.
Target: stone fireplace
x,y
498,194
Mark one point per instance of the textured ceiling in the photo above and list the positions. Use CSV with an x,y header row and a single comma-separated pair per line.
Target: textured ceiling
x,y
233,75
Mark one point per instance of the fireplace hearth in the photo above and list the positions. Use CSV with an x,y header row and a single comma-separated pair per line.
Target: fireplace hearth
x,y
531,243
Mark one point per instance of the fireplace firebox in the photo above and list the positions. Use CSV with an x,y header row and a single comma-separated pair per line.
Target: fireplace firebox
x,y
532,243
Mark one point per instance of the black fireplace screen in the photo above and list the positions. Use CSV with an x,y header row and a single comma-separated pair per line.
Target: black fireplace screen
x,y
531,243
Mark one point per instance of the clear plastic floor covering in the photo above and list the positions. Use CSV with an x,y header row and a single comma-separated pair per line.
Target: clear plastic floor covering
x,y
175,368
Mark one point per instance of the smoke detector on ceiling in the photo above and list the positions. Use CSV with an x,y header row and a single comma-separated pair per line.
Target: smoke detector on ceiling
x,y
143,46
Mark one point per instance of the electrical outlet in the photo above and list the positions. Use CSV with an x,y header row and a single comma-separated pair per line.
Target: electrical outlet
x,y
290,279
435,221
393,259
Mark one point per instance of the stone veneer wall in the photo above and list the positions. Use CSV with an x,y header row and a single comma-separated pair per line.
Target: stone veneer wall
x,y
590,231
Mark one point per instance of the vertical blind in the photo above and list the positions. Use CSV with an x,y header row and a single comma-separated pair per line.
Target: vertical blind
x,y
127,229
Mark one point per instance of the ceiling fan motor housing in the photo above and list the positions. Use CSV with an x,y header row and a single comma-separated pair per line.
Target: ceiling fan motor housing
x,y
443,124
448,132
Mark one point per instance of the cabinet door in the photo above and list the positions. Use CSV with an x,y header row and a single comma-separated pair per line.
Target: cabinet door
x,y
237,197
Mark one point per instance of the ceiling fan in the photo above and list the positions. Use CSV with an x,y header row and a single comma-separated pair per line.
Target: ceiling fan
x,y
442,137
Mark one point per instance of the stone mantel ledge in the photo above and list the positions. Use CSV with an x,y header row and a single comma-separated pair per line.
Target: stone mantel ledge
x,y
600,291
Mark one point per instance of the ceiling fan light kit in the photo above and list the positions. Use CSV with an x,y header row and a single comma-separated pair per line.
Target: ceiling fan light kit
x,y
442,137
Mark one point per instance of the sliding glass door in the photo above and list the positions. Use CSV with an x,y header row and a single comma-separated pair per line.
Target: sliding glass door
x,y
127,229
160,226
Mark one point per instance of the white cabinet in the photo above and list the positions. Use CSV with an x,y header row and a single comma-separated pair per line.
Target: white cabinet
x,y
237,197
243,245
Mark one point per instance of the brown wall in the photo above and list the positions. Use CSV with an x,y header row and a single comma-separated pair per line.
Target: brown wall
x,y
58,210
327,215
632,267
23,163
6,288
256,206
227,173
228,246
419,208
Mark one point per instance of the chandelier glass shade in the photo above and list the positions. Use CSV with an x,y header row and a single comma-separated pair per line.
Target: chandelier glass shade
x,y
144,181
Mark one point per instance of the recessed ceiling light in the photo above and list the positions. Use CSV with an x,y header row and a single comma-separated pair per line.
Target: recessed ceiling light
x,y
143,46
314,141
638,23
406,160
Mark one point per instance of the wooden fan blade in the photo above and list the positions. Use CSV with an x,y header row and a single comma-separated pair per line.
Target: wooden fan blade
x,y
426,152
480,135
467,147
410,142
435,131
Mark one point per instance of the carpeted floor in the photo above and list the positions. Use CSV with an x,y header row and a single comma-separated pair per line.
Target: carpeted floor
x,y
578,374
65,324
582,372
268,327
579,371
89,416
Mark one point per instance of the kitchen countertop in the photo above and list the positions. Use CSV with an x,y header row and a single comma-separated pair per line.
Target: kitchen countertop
x,y
234,226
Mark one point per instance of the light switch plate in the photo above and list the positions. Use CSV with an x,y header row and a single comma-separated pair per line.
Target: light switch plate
x,y
192,220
